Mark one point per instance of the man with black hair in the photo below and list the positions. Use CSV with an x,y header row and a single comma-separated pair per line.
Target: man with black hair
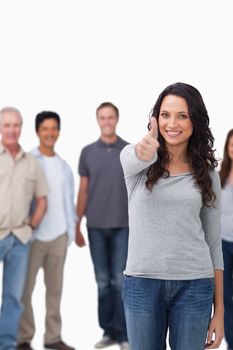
x,y
53,235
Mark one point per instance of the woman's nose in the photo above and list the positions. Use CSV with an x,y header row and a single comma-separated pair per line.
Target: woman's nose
x,y
172,122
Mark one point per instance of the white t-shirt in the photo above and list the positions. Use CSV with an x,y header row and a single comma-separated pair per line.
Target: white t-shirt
x,y
54,222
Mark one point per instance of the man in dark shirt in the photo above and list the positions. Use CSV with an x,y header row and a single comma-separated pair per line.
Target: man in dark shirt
x,y
102,198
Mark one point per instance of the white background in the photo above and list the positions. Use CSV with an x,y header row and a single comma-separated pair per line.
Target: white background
x,y
71,55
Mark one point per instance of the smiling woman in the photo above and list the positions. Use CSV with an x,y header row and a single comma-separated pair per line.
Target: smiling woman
x,y
191,149
174,122
174,266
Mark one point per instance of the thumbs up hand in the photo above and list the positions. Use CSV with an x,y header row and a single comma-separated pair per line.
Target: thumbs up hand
x,y
148,146
154,128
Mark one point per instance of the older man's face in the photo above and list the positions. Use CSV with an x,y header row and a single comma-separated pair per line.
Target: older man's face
x,y
10,128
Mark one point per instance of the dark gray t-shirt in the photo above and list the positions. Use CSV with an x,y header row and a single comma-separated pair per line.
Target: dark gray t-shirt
x,y
107,205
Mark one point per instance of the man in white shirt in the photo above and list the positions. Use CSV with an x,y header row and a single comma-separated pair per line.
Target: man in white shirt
x,y
53,235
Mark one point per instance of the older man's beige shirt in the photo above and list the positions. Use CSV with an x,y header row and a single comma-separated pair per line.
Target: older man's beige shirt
x,y
21,180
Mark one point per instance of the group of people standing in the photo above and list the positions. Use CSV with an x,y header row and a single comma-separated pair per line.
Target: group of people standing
x,y
37,224
38,221
153,211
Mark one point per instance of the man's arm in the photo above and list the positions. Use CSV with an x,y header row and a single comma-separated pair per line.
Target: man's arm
x,y
69,204
40,209
81,208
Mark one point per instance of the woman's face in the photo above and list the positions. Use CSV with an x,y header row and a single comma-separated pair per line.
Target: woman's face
x,y
174,122
230,148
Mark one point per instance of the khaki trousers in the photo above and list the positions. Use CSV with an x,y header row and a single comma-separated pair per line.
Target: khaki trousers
x,y
51,257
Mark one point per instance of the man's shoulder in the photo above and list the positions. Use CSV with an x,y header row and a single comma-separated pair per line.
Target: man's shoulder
x,y
122,142
89,147
66,165
35,151
31,157
32,163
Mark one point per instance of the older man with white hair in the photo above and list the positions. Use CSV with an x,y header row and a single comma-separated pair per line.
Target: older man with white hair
x,y
21,181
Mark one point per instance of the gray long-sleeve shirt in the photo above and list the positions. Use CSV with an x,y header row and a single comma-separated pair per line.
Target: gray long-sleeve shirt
x,y
172,235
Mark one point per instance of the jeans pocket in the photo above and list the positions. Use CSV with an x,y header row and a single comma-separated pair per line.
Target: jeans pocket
x,y
137,293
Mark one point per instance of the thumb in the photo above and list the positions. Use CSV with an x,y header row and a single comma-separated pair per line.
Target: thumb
x,y
153,127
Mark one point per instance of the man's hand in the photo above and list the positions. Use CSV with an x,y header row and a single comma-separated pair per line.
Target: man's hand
x,y
149,145
79,239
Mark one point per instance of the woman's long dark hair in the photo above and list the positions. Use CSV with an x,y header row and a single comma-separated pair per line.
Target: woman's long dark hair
x,y
200,146
226,162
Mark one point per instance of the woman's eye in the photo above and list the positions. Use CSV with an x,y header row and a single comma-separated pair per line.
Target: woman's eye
x,y
183,116
164,115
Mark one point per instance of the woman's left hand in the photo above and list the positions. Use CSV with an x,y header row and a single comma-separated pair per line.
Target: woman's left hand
x,y
215,332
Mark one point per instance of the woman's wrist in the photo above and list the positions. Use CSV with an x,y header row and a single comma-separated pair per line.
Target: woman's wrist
x,y
219,309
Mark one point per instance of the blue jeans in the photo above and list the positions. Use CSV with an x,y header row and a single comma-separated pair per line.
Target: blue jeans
x,y
108,249
153,306
14,255
227,248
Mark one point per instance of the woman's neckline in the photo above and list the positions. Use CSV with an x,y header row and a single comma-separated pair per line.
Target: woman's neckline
x,y
180,174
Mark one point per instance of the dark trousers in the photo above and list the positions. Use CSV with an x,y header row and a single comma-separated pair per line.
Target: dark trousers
x,y
108,249
228,291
